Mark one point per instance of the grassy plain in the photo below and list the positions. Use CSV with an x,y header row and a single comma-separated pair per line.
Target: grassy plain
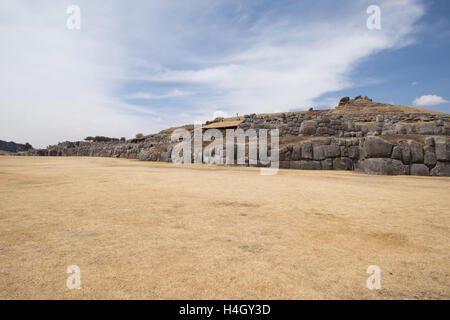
x,y
165,231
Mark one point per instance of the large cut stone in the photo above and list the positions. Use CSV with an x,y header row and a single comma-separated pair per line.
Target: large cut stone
x,y
296,152
332,151
165,156
398,168
285,164
144,155
375,147
309,165
442,147
308,128
442,169
295,164
383,166
307,150
327,164
419,170
353,152
318,152
429,141
402,152
321,141
342,164
416,149
430,158
285,154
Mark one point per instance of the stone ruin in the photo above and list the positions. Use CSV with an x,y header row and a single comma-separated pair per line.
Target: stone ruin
x,y
359,134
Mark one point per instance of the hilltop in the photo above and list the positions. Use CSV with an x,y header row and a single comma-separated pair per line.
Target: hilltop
x,y
12,147
359,134
356,106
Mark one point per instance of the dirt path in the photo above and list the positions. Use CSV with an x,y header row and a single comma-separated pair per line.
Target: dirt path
x,y
156,230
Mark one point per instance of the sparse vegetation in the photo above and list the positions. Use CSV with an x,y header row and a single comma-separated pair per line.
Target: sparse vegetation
x,y
277,237
100,139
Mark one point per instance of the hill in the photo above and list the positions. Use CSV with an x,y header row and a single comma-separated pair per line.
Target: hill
x,y
14,147
359,134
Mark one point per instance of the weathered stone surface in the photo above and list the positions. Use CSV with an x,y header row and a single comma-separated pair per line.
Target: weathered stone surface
x,y
419,170
353,152
309,165
442,169
285,154
307,150
402,152
442,147
365,128
285,164
148,155
327,164
430,159
321,131
318,152
332,151
369,129
383,166
344,101
397,153
164,156
295,164
398,168
426,128
144,155
296,152
429,141
342,164
308,128
375,166
416,150
320,141
375,147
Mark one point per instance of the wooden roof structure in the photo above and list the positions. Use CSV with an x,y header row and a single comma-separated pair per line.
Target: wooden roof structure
x,y
223,124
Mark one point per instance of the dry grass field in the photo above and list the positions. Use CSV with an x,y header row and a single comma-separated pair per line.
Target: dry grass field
x,y
165,231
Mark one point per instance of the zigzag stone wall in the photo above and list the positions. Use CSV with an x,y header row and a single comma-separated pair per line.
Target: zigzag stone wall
x,y
370,154
322,123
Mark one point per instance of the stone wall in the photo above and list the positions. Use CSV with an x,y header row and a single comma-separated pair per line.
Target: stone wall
x,y
318,123
370,154
359,134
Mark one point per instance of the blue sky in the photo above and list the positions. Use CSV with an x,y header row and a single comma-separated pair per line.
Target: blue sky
x,y
143,66
421,68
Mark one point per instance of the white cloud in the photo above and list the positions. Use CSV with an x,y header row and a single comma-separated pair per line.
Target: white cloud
x,y
58,84
220,114
63,85
286,64
149,96
429,100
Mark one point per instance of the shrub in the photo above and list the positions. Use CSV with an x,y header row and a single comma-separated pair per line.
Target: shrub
x,y
100,139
